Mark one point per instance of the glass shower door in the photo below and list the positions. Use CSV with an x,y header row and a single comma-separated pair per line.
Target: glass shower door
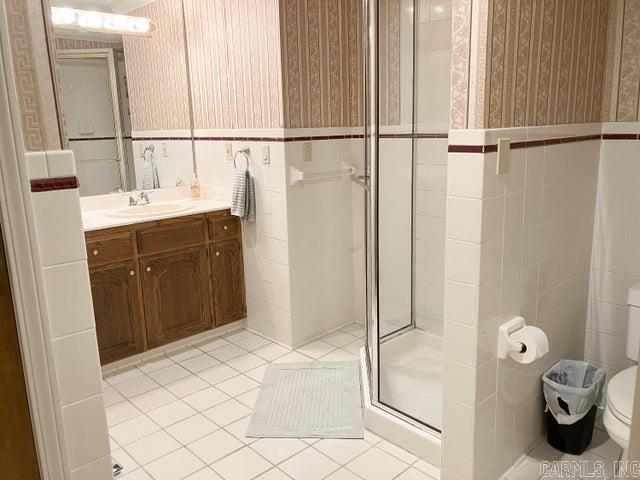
x,y
406,292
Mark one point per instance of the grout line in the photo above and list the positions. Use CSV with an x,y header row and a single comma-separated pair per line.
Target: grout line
x,y
181,398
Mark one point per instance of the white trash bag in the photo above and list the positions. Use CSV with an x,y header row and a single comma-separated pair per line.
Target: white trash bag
x,y
571,388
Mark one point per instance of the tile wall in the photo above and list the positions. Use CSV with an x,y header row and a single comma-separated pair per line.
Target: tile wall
x,y
79,396
403,239
616,247
413,161
321,222
265,242
299,273
429,243
517,243
173,155
395,182
433,65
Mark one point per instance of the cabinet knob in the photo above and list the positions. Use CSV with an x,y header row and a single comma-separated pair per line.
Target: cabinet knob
x,y
226,227
217,254
95,252
148,269
132,273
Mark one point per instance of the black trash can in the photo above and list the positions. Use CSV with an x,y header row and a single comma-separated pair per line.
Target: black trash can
x,y
573,391
574,438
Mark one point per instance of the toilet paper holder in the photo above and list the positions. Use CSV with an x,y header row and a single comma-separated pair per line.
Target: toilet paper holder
x,y
506,345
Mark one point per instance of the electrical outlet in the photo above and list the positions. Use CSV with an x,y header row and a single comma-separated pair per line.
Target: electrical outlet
x,y
229,151
504,150
307,154
266,155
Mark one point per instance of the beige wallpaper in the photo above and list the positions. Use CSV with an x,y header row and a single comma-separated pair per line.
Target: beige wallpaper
x,y
622,84
33,75
252,64
321,62
157,70
460,62
234,62
389,56
533,62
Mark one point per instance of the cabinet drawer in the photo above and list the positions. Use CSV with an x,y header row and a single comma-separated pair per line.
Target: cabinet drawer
x,y
171,236
111,249
223,227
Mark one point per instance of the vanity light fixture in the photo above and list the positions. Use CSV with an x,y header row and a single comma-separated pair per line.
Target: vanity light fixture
x,y
91,21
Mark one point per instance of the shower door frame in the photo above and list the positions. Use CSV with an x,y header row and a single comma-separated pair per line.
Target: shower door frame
x,y
371,135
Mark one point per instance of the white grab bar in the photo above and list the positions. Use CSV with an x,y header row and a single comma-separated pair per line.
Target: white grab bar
x,y
298,177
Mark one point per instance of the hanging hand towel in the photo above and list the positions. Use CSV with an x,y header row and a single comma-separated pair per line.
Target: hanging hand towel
x,y
150,178
243,200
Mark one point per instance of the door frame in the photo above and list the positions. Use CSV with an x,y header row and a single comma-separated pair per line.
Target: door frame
x,y
23,262
103,54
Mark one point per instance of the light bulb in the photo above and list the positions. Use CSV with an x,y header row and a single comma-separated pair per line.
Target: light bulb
x,y
119,22
90,20
142,25
98,21
63,16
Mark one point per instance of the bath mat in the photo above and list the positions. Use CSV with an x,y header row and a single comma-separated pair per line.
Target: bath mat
x,y
319,399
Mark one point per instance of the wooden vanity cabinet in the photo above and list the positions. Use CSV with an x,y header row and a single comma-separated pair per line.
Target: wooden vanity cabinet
x,y
227,268
157,282
227,275
116,294
176,293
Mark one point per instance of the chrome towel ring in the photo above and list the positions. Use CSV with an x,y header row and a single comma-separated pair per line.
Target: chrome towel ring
x,y
245,153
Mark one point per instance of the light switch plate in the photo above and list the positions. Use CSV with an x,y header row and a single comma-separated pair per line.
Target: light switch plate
x,y
266,155
307,154
229,151
504,152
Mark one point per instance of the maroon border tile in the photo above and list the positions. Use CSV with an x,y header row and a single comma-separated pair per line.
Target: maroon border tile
x,y
90,139
157,139
414,135
466,148
305,138
55,183
620,136
527,144
93,139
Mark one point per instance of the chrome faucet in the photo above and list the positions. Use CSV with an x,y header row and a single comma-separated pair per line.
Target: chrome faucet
x,y
142,199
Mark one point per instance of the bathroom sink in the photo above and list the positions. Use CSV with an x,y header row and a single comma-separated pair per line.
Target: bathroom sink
x,y
149,210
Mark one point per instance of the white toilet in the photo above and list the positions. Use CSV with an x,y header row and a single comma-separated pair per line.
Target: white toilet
x,y
621,388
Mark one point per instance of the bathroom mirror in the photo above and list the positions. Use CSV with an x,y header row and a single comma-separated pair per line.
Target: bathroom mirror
x,y
124,98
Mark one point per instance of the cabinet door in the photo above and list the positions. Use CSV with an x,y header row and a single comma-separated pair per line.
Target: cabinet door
x,y
176,295
227,273
116,305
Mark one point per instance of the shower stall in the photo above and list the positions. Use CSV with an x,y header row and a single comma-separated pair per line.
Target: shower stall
x,y
407,120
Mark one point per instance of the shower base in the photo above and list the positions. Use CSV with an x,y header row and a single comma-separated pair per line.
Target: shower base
x,y
422,442
411,375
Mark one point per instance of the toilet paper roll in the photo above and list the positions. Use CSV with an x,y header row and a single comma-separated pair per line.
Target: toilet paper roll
x,y
535,341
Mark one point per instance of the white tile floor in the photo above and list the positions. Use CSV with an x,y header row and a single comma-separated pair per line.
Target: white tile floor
x,y
597,462
184,415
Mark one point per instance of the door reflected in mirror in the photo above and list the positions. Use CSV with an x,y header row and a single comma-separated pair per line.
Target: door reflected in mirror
x,y
124,101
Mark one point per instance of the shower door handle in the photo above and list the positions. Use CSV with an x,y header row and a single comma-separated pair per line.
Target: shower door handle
x,y
361,180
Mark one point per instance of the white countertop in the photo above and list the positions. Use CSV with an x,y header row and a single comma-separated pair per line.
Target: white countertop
x,y
99,219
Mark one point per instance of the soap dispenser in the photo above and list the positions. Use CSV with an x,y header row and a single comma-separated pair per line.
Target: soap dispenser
x,y
196,191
